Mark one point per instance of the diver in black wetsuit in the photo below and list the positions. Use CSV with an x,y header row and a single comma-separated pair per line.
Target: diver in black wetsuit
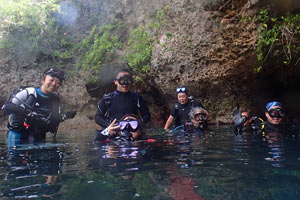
x,y
121,102
180,111
35,111
243,121
198,120
274,114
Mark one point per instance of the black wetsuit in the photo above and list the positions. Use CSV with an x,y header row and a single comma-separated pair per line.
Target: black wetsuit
x,y
282,128
180,112
117,104
262,128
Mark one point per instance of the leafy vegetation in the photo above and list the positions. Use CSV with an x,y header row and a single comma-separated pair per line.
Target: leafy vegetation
x,y
277,35
139,47
26,24
98,47
30,27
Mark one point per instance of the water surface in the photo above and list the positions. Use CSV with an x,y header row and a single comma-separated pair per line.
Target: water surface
x,y
215,165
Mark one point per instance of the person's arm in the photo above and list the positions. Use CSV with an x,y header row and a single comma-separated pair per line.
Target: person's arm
x,y
100,117
146,117
20,104
169,123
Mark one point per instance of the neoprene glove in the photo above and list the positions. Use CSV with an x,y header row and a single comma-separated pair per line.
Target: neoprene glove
x,y
39,118
237,117
68,115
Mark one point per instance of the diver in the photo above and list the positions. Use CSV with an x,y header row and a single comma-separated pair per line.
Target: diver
x,y
128,128
243,121
35,111
180,111
198,120
275,118
122,101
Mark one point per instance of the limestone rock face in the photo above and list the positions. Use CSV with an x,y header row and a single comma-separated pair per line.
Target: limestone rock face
x,y
205,46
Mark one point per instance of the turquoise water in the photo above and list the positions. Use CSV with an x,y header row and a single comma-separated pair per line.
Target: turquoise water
x,y
214,165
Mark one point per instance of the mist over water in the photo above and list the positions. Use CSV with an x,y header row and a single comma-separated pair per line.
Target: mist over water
x,y
68,13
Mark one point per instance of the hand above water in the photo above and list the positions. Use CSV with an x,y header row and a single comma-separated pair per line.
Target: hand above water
x,y
113,127
237,117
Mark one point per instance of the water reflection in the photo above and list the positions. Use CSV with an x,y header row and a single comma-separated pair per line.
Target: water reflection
x,y
31,171
124,156
216,164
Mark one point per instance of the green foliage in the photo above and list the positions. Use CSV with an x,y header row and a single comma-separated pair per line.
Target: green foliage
x,y
278,34
161,16
98,47
139,48
139,52
169,35
25,23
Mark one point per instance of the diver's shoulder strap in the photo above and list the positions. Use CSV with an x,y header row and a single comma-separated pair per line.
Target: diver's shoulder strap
x,y
137,99
176,106
31,91
192,101
107,98
22,96
176,109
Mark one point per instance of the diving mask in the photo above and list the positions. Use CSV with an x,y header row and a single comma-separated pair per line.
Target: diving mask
x,y
129,125
200,117
276,113
181,89
125,80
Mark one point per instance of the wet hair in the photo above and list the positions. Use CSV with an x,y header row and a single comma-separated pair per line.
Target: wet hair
x,y
125,70
54,72
196,110
143,134
131,115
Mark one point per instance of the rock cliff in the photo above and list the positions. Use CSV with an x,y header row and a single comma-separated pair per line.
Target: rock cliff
x,y
211,50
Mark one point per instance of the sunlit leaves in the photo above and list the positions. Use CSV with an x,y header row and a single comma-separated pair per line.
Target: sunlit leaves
x,y
277,34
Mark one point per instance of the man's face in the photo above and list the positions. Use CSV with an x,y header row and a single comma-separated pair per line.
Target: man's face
x,y
274,115
50,84
123,81
182,98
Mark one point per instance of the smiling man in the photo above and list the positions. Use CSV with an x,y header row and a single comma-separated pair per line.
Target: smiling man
x,y
35,111
276,121
274,112
121,102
